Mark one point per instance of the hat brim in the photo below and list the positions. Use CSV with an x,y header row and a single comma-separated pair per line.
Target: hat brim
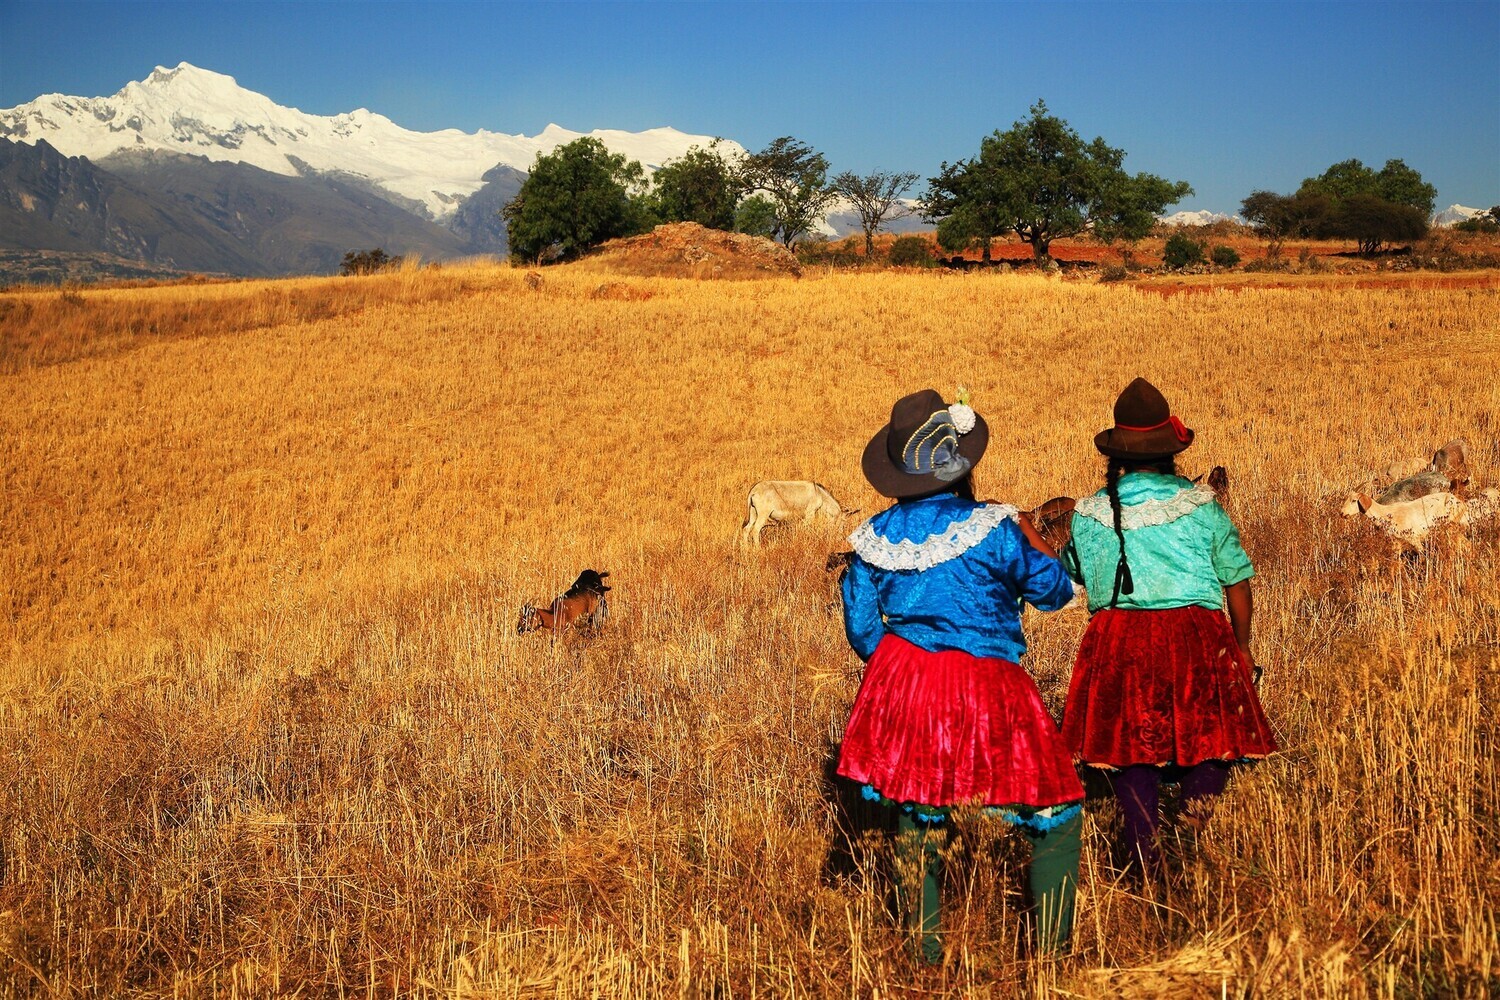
x,y
891,481
1141,446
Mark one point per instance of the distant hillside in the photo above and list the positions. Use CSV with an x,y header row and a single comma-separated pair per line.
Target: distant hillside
x,y
187,213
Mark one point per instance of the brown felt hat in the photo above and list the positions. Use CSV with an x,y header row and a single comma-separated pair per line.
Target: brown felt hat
x,y
1144,430
921,450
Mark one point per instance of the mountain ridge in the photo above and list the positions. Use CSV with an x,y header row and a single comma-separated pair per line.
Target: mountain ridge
x,y
191,110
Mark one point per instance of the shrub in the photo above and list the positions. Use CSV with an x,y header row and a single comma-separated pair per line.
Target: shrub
x,y
1485,222
1271,262
1224,256
911,251
821,250
1181,251
368,262
1114,272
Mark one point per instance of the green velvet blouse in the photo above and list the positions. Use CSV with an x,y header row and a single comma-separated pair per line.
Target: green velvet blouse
x,y
1182,547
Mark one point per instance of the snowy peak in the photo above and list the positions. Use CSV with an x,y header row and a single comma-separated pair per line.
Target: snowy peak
x,y
1201,217
198,112
1454,214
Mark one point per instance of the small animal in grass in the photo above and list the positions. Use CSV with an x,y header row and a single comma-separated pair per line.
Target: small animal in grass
x,y
775,501
1448,472
583,606
1409,520
1053,520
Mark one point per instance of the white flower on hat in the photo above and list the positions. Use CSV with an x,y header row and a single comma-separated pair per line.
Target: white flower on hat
x,y
961,413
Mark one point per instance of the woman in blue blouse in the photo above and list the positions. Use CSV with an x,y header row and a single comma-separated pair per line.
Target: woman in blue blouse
x,y
1162,689
945,717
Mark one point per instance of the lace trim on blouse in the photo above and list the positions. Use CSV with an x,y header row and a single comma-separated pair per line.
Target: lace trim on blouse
x,y
950,543
1147,512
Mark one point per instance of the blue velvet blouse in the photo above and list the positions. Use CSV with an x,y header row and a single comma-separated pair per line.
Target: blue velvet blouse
x,y
945,573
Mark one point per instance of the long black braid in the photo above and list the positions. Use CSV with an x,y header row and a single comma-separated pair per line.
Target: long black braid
x,y
1124,583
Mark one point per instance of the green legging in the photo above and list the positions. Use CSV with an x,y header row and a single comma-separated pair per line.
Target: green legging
x,y
1054,882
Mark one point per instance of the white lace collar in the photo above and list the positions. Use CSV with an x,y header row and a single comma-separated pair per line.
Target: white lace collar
x,y
1163,510
953,541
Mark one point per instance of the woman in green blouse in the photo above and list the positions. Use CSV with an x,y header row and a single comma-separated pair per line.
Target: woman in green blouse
x,y
1162,689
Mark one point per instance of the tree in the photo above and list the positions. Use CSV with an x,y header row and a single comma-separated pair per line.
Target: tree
x,y
756,216
1372,208
701,186
964,199
575,197
1277,216
874,198
1040,180
1371,221
793,176
1395,182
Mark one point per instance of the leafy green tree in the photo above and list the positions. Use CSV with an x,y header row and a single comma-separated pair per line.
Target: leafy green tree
x,y
1371,207
1040,180
700,186
756,216
575,197
965,201
874,198
1395,182
794,177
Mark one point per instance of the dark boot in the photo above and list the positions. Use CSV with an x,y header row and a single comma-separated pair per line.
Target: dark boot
x,y
918,889
1054,882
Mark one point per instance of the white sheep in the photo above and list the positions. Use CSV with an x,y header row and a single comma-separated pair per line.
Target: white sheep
x,y
1409,520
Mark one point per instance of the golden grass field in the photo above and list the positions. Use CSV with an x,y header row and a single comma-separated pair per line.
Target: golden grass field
x,y
267,728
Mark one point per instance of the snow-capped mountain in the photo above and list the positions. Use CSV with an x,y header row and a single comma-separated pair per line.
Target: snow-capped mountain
x,y
1202,217
1454,214
194,111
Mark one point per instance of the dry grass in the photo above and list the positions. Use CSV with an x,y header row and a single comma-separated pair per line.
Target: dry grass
x,y
267,727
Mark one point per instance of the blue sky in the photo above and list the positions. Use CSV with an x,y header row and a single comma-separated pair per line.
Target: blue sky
x,y
1228,96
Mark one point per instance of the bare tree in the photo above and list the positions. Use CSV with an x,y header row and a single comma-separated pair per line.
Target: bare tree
x,y
874,197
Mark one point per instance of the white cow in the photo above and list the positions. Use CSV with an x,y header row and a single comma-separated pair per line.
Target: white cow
x,y
1409,520
780,500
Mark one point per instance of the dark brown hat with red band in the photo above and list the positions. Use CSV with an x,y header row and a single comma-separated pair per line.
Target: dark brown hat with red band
x,y
1145,429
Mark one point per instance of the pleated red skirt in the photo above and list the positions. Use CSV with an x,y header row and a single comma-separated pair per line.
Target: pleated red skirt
x,y
1163,687
948,729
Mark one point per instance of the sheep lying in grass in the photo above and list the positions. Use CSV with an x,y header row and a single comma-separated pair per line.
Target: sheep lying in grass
x,y
1409,520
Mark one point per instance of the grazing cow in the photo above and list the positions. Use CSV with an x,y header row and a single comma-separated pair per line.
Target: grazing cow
x,y
1409,520
778,501
1448,472
582,605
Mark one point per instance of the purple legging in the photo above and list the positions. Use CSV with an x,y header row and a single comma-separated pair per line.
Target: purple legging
x,y
1138,788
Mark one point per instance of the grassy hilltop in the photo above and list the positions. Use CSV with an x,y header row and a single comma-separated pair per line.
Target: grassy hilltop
x,y
268,728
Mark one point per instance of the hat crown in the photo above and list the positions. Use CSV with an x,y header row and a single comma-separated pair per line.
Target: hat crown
x,y
909,415
1141,405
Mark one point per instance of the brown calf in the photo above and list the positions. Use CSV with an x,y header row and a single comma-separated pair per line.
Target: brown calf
x,y
582,605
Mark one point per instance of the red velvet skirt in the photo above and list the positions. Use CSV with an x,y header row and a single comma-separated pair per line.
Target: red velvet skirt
x,y
947,729
1163,687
